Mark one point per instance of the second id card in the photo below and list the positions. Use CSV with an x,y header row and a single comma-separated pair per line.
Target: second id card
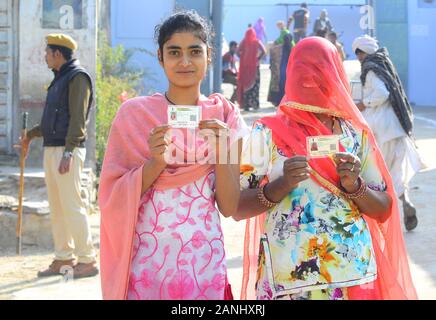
x,y
184,116
322,146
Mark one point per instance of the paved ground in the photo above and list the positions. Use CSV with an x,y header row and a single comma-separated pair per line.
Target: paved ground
x,y
17,274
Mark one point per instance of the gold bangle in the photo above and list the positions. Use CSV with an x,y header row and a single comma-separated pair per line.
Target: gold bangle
x,y
263,199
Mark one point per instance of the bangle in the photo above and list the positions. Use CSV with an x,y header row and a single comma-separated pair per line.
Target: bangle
x,y
360,193
263,199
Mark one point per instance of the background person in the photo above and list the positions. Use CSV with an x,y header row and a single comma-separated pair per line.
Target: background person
x,y
386,108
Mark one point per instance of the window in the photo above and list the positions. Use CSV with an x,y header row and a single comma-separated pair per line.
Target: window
x,y
62,14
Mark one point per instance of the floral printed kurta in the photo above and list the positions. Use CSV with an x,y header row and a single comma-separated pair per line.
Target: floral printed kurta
x,y
313,239
178,250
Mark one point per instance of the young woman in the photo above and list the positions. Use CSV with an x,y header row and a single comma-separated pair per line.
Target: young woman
x,y
160,231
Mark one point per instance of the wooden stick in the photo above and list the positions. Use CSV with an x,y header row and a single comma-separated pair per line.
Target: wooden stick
x,y
21,190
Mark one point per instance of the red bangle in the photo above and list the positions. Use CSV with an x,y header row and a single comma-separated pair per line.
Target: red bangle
x,y
263,199
360,193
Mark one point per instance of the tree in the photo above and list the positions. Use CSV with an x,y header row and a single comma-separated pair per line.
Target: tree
x,y
117,80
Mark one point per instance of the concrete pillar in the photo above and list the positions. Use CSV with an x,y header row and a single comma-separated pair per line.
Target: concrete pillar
x,y
217,19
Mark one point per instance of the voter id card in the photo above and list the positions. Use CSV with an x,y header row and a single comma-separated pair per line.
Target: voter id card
x,y
322,146
184,116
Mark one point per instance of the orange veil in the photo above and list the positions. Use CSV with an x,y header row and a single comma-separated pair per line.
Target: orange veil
x,y
316,83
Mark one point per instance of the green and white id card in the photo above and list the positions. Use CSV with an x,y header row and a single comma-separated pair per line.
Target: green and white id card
x,y
322,146
184,116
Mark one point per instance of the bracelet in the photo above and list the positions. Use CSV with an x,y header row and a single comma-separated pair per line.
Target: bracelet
x,y
263,199
67,154
360,193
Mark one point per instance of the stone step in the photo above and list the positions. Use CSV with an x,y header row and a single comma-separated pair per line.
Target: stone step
x,y
9,160
9,203
35,189
36,218
36,231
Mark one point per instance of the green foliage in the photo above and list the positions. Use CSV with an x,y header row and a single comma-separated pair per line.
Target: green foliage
x,y
116,81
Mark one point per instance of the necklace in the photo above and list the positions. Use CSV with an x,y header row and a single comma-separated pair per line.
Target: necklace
x,y
168,99
172,103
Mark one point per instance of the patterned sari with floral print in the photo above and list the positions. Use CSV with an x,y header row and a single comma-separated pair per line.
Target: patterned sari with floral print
x,y
315,245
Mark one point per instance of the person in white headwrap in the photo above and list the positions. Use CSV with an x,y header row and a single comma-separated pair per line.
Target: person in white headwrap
x,y
366,44
388,112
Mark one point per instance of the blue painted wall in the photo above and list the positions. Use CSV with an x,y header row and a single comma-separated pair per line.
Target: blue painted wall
x,y
133,23
408,29
422,52
201,6
392,33
345,16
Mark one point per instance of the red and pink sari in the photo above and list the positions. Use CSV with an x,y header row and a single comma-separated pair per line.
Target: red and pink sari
x,y
317,83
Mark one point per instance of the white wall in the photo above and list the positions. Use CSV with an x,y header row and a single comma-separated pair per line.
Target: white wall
x,y
34,76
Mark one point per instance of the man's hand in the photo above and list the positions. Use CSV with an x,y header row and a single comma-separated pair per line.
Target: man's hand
x,y
64,166
24,143
361,106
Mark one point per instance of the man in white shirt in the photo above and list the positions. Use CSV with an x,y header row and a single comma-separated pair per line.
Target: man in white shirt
x,y
389,115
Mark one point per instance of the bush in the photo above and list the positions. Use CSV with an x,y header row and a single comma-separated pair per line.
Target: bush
x,y
116,82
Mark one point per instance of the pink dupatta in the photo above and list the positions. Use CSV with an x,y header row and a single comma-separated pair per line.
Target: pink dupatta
x,y
121,179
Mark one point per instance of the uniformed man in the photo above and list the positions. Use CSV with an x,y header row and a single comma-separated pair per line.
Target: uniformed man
x,y
63,129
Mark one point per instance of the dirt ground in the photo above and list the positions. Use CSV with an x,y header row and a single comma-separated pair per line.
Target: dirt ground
x,y
18,273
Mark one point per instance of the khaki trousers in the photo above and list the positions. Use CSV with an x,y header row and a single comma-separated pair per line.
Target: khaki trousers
x,y
70,226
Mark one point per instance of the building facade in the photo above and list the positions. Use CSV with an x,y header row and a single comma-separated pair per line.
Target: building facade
x,y
345,16
408,29
133,24
24,76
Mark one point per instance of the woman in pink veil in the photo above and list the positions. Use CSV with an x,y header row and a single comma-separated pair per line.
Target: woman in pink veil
x,y
319,228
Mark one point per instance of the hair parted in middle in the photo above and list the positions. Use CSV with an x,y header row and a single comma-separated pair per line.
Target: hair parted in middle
x,y
185,21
